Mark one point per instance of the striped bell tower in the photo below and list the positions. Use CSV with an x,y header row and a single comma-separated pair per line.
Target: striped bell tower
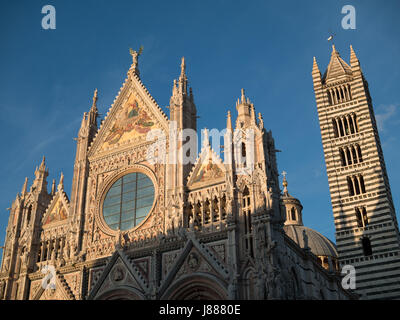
x,y
367,234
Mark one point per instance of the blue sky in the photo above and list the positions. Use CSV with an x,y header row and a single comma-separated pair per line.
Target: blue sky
x,y
47,77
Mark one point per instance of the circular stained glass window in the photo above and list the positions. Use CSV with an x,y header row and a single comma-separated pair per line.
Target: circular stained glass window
x,y
128,201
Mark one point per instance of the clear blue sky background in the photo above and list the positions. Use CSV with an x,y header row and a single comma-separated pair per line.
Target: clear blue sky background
x,y
47,77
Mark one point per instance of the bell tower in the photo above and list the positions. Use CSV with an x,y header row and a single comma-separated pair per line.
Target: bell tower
x,y
367,234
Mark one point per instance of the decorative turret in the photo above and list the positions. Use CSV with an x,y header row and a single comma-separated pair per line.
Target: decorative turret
x,y
246,112
229,121
307,239
88,127
86,134
292,205
25,187
182,107
354,62
40,183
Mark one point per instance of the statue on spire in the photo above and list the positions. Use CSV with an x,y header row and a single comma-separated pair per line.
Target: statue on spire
x,y
135,55
284,183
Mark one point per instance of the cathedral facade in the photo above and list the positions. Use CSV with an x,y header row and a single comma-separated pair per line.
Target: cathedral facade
x,y
142,223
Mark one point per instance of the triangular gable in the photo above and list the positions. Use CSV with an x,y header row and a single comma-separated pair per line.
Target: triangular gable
x,y
132,115
58,209
61,291
120,272
197,257
208,167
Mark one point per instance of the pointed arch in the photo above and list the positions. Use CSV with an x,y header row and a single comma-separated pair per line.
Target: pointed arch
x,y
196,287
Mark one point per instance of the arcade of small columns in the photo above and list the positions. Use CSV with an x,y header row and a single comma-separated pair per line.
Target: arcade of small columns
x,y
206,211
356,184
345,125
339,94
350,154
53,248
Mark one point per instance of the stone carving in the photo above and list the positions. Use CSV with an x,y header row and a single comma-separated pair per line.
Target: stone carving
x,y
193,261
118,274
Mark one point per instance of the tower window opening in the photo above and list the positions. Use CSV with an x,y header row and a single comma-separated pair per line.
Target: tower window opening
x,y
348,156
346,125
359,153
367,248
352,130
359,218
356,186
293,213
329,97
350,185
335,128
364,216
341,131
354,154
362,185
342,157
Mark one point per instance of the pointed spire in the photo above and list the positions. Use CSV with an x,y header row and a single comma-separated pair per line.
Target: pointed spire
x,y
285,184
252,112
243,97
334,51
353,58
94,105
229,122
183,83
41,174
25,186
337,68
61,183
43,164
93,109
53,187
174,88
315,65
183,68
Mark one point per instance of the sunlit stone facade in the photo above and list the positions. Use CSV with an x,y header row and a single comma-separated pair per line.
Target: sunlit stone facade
x,y
135,228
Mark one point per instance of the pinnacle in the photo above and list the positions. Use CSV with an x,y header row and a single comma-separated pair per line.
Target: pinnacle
x,y
183,67
229,121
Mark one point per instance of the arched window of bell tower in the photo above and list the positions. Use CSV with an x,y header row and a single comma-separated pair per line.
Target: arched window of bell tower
x,y
293,214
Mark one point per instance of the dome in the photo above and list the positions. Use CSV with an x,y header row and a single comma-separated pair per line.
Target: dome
x,y
319,244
